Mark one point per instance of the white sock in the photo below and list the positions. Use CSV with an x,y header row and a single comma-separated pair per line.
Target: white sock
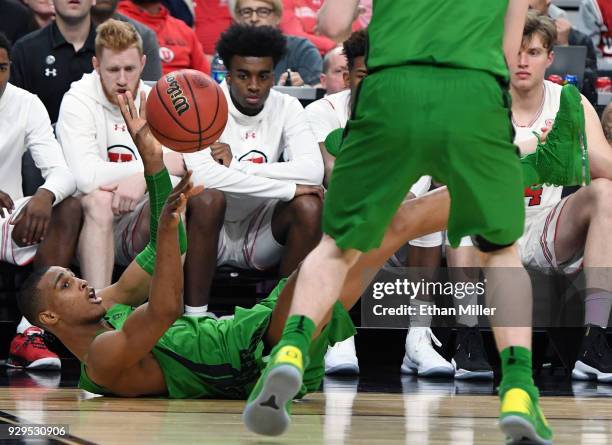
x,y
23,325
196,311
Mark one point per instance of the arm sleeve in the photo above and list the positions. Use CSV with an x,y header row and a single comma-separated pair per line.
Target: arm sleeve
x,y
322,119
159,187
208,172
153,69
47,153
76,132
303,163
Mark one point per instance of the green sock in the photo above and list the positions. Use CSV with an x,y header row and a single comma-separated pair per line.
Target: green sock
x,y
516,371
530,174
297,333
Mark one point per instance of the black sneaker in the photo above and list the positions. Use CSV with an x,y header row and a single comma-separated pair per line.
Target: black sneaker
x,y
470,359
595,358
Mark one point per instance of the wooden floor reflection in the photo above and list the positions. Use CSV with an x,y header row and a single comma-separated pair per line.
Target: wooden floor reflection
x,y
423,413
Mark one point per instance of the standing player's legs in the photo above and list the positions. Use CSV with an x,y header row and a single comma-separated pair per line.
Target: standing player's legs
x,y
486,188
372,175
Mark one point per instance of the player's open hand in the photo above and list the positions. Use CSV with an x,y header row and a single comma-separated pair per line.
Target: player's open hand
x,y
136,122
177,201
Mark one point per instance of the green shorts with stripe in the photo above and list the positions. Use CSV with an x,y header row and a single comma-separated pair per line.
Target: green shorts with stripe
x,y
408,121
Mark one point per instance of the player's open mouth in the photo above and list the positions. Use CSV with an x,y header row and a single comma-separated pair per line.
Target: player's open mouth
x,y
121,91
92,297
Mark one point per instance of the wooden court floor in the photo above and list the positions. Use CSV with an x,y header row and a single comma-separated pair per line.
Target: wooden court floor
x,y
419,414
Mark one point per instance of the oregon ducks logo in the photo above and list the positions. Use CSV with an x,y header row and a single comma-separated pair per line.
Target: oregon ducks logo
x,y
179,101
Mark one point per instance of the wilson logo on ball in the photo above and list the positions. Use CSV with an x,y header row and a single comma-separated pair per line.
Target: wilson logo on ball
x,y
179,101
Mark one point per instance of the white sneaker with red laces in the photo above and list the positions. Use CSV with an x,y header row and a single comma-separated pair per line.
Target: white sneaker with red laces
x,y
28,350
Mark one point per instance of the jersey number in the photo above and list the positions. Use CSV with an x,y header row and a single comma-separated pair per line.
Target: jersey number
x,y
534,195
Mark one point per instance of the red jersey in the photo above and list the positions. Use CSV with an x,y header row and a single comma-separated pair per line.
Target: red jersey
x,y
212,17
179,47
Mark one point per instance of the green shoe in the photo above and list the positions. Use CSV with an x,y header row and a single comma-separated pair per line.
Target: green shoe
x,y
563,158
521,419
267,411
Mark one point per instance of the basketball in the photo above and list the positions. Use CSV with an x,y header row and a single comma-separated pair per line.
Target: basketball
x,y
186,110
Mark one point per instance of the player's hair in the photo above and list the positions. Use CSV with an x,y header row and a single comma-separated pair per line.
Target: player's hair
x,y
251,41
276,5
537,23
29,297
327,58
117,36
5,43
355,46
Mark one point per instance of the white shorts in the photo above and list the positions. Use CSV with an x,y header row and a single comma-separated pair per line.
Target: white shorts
x,y
10,252
537,245
436,239
249,244
123,233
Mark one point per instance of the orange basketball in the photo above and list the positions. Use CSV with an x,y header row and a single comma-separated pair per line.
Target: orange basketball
x,y
186,110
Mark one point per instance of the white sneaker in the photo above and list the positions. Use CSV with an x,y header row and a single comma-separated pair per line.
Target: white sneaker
x,y
421,358
342,358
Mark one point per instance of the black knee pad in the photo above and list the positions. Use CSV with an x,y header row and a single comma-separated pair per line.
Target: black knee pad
x,y
485,246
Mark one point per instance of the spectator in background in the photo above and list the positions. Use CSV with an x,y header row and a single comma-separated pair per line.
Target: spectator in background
x,y
106,9
262,205
597,21
334,66
179,47
102,156
567,35
43,11
16,20
302,62
182,10
42,228
300,19
212,17
47,61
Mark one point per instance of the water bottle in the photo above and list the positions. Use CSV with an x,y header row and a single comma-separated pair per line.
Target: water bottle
x,y
218,69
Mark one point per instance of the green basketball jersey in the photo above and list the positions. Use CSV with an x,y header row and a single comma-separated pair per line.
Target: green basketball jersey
x,y
461,34
199,356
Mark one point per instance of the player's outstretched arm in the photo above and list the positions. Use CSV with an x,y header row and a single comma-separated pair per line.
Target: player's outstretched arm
x,y
514,23
336,18
133,285
115,351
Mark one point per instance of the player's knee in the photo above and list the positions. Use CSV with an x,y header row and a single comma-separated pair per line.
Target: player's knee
x,y
97,207
307,211
601,196
206,207
68,213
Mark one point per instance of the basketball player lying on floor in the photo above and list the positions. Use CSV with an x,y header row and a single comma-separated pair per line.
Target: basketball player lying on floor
x,y
152,349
